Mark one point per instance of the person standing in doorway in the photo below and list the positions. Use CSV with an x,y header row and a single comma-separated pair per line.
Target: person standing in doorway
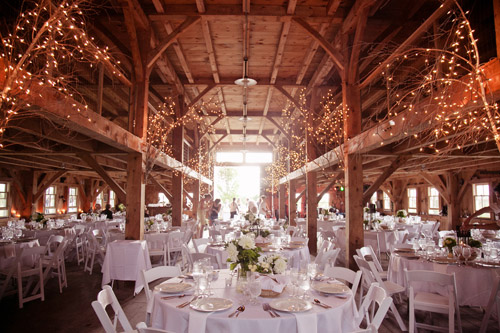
x,y
263,209
252,207
233,208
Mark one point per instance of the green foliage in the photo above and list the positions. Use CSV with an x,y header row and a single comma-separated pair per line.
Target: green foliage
x,y
228,186
475,243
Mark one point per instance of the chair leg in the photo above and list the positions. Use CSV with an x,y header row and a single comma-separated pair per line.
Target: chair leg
x,y
451,320
92,263
398,317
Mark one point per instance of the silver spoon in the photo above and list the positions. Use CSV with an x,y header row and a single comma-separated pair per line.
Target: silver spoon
x,y
238,310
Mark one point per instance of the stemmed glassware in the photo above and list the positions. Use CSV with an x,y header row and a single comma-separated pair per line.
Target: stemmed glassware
x,y
304,283
209,271
467,253
457,251
254,288
494,254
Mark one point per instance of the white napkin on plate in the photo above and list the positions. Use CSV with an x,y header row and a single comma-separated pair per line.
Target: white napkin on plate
x,y
306,322
275,283
198,321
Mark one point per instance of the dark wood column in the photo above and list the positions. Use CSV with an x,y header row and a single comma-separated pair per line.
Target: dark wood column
x,y
134,227
454,208
353,175
282,199
196,182
292,203
178,176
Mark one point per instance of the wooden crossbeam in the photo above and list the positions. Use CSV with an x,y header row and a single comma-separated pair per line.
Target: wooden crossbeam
x,y
269,140
398,162
164,190
46,184
330,185
416,34
120,192
332,52
300,195
158,51
217,142
437,182
282,130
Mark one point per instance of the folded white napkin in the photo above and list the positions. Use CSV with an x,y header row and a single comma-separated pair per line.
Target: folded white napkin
x,y
306,322
275,283
198,321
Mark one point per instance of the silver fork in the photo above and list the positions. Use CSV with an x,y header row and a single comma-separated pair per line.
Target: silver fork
x,y
267,308
272,310
180,306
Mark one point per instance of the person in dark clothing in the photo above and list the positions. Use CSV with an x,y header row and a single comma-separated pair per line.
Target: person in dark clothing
x,y
108,212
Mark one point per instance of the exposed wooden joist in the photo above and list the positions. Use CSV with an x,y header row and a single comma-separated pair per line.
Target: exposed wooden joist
x,y
46,184
398,162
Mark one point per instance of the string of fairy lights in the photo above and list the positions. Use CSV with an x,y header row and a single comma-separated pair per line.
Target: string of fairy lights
x,y
41,51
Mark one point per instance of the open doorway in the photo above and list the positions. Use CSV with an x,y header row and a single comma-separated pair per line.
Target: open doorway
x,y
240,182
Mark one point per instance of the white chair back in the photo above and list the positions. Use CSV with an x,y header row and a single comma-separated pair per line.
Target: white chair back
x,y
200,244
375,295
107,297
367,253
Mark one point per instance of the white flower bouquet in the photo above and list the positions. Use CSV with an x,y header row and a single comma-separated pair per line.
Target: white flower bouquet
x,y
243,252
273,263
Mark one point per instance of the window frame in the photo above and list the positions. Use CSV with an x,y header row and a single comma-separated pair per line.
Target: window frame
x,y
412,209
5,211
48,197
487,199
112,198
430,209
386,201
72,209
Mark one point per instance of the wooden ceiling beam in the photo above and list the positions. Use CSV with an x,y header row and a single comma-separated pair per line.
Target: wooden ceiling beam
x,y
396,163
45,185
155,54
332,6
375,73
329,49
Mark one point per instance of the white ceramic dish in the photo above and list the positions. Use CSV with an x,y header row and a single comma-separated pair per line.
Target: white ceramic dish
x,y
173,288
331,288
211,304
291,305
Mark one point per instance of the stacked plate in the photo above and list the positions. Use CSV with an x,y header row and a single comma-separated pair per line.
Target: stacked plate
x,y
211,304
291,305
331,287
173,288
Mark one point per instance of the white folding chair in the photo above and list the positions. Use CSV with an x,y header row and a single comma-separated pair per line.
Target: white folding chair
x,y
29,264
53,243
200,244
367,253
494,299
371,275
433,302
154,274
374,237
325,245
55,265
107,297
345,274
174,244
94,248
376,295
157,246
328,259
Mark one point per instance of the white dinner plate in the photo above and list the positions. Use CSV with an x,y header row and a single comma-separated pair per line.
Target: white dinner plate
x,y
331,288
211,304
290,305
172,288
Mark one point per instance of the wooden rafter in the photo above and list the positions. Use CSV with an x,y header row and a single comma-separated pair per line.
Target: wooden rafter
x,y
330,185
120,192
47,183
158,51
217,142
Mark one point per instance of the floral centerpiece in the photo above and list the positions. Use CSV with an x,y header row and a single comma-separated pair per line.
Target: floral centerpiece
x,y
401,213
272,264
243,252
475,244
121,207
450,243
40,218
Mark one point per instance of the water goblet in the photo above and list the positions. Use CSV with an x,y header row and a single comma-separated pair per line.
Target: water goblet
x,y
457,252
312,270
254,290
494,254
430,251
209,270
304,284
466,252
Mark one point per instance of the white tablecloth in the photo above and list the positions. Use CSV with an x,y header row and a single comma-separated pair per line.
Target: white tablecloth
x,y
124,261
44,235
296,257
473,283
165,315
8,252
387,238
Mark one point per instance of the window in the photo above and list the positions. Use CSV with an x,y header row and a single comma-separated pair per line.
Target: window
x,y
412,200
433,201
4,202
99,200
112,198
162,198
49,203
387,201
325,201
232,157
73,200
299,203
481,194
373,199
259,157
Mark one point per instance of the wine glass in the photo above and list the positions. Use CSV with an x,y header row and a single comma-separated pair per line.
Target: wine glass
x,y
304,284
466,252
494,254
209,270
294,276
457,251
254,290
312,270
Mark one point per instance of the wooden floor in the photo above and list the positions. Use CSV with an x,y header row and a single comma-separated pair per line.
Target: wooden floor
x,y
71,311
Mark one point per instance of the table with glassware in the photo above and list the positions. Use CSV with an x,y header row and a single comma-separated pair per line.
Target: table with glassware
x,y
474,279
213,313
9,248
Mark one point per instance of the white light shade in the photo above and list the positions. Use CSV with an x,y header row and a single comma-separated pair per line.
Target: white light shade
x,y
245,81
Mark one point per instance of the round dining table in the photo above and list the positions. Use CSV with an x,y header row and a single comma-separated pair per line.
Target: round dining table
x,y
474,282
8,250
166,315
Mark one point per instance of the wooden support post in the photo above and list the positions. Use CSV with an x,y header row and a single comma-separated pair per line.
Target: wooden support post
x,y
134,227
100,89
292,205
196,183
454,203
496,10
282,193
353,176
177,176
